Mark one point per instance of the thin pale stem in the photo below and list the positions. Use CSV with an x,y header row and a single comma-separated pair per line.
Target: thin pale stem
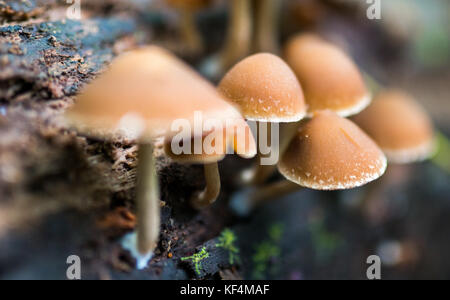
x,y
238,41
148,204
190,33
209,195
286,134
266,27
275,190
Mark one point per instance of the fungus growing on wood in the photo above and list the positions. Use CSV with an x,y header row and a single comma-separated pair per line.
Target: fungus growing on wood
x,y
332,153
329,78
139,98
400,127
266,90
235,138
328,153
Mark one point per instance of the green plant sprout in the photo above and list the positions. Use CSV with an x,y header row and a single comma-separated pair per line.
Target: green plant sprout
x,y
197,259
267,251
226,241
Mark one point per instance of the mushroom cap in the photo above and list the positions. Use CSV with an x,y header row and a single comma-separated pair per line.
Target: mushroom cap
x,y
332,153
329,78
400,127
141,95
235,138
265,89
189,4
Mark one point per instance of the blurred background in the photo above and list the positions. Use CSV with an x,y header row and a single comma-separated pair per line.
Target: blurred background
x,y
61,194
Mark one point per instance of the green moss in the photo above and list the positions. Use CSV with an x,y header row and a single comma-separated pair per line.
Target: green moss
x,y
276,232
267,251
226,241
197,258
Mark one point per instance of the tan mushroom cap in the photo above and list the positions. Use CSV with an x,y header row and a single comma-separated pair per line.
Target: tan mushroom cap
x,y
332,153
235,138
400,127
141,95
329,78
265,89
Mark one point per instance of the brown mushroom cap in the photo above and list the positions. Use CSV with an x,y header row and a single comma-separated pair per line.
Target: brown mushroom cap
x,y
265,88
142,93
400,127
329,78
332,153
236,138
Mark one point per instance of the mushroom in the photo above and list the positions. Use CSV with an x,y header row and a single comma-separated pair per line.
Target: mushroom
x,y
237,42
400,127
216,145
267,13
328,153
189,32
138,99
404,132
330,79
267,91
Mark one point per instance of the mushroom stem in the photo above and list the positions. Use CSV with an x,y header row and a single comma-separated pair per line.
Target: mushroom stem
x,y
239,33
286,134
147,201
266,27
244,202
189,32
209,195
274,190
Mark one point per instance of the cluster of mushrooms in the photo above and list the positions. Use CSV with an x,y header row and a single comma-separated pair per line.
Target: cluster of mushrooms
x,y
310,95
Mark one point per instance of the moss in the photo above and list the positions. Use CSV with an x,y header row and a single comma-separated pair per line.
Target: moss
x,y
197,259
276,232
267,251
227,241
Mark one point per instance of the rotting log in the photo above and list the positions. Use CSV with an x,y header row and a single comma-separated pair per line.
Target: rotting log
x,y
52,179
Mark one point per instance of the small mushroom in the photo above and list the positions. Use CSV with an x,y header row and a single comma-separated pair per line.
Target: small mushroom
x,y
330,79
267,13
332,153
266,90
328,153
138,99
400,127
189,32
216,145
